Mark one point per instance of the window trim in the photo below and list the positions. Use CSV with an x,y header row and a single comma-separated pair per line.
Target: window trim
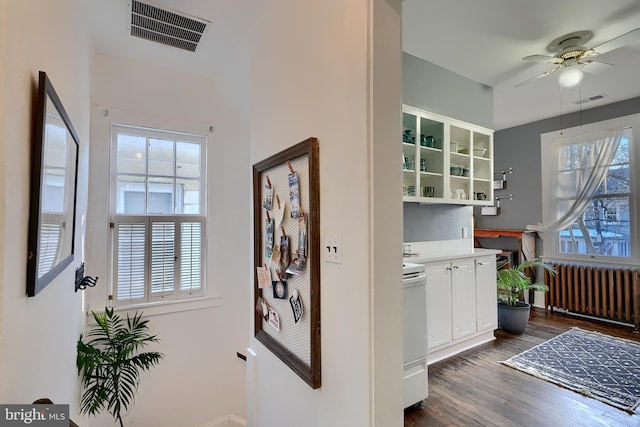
x,y
190,299
551,241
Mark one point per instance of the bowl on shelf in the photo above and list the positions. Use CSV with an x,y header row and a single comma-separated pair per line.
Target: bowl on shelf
x,y
465,171
455,170
478,152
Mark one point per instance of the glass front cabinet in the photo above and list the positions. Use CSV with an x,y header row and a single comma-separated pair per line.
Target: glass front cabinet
x,y
445,160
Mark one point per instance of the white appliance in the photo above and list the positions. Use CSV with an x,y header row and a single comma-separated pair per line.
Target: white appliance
x,y
415,334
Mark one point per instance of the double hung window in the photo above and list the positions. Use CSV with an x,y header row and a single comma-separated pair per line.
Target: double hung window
x,y
589,209
158,214
603,226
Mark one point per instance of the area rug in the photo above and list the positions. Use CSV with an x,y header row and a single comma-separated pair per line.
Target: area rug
x,y
596,365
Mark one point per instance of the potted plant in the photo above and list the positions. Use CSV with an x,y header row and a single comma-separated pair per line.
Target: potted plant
x,y
109,362
513,282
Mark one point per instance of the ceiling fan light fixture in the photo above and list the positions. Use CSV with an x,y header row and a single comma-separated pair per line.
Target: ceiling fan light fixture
x,y
570,76
571,53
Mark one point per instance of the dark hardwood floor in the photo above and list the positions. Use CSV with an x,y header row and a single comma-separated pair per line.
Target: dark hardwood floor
x,y
474,389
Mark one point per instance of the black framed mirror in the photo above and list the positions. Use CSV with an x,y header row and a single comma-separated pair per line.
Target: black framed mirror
x,y
54,175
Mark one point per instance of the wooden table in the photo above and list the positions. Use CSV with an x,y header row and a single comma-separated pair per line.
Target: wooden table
x,y
526,240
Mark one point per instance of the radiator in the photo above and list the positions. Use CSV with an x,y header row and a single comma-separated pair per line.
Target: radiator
x,y
609,293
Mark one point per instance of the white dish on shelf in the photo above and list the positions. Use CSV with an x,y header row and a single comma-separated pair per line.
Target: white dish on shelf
x,y
478,152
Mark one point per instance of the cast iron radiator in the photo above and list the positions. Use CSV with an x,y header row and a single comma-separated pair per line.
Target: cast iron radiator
x,y
610,293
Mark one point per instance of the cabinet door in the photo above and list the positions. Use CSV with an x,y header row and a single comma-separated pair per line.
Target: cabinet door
x,y
463,293
438,303
487,307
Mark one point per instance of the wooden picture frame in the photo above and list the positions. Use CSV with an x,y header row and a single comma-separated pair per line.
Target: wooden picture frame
x,y
297,344
54,178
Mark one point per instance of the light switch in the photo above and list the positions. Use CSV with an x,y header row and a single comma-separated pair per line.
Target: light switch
x,y
333,249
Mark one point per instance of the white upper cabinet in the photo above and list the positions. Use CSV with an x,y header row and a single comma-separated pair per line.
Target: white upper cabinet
x,y
445,160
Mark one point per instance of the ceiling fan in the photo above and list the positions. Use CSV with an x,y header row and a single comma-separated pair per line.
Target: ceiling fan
x,y
571,56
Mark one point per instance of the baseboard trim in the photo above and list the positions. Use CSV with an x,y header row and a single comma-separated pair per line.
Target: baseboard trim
x,y
458,347
228,421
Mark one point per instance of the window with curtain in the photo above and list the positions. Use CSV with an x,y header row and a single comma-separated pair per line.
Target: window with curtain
x,y
158,222
588,207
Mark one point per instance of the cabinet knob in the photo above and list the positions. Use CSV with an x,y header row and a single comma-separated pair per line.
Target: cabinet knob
x,y
456,267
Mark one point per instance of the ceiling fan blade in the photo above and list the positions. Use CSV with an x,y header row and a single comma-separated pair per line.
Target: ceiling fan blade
x,y
632,36
543,58
596,67
546,73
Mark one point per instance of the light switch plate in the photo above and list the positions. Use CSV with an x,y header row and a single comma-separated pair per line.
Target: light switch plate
x,y
465,232
333,249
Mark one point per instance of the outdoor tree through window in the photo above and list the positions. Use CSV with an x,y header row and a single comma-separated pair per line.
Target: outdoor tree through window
x,y
603,229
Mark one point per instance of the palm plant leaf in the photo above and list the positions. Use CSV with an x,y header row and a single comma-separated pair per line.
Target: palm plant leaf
x,y
513,281
109,362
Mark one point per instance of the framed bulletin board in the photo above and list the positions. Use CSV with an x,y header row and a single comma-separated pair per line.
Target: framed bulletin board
x,y
286,205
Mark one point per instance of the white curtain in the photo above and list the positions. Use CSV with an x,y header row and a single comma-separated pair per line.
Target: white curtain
x,y
579,166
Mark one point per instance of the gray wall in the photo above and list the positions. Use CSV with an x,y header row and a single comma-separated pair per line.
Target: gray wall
x,y
519,148
436,89
433,88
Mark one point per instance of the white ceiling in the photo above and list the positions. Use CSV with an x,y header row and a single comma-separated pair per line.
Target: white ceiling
x,y
483,40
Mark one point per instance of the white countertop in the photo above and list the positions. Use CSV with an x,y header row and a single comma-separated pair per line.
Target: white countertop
x,y
443,250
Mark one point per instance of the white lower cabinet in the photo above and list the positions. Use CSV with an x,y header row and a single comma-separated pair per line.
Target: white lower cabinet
x,y
486,294
463,298
461,305
438,303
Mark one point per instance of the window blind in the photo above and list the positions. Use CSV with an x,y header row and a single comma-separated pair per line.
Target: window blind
x,y
191,262
162,258
131,259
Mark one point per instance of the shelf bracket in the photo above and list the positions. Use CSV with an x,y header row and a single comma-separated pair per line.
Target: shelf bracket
x,y
501,184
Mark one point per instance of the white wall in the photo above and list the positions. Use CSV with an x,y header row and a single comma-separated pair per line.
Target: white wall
x,y
311,75
201,379
39,334
317,71
3,60
3,180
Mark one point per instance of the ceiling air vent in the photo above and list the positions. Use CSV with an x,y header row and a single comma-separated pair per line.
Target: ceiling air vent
x,y
167,27
591,99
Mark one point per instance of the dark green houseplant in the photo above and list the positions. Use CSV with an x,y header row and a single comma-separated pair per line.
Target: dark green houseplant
x,y
110,362
513,282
